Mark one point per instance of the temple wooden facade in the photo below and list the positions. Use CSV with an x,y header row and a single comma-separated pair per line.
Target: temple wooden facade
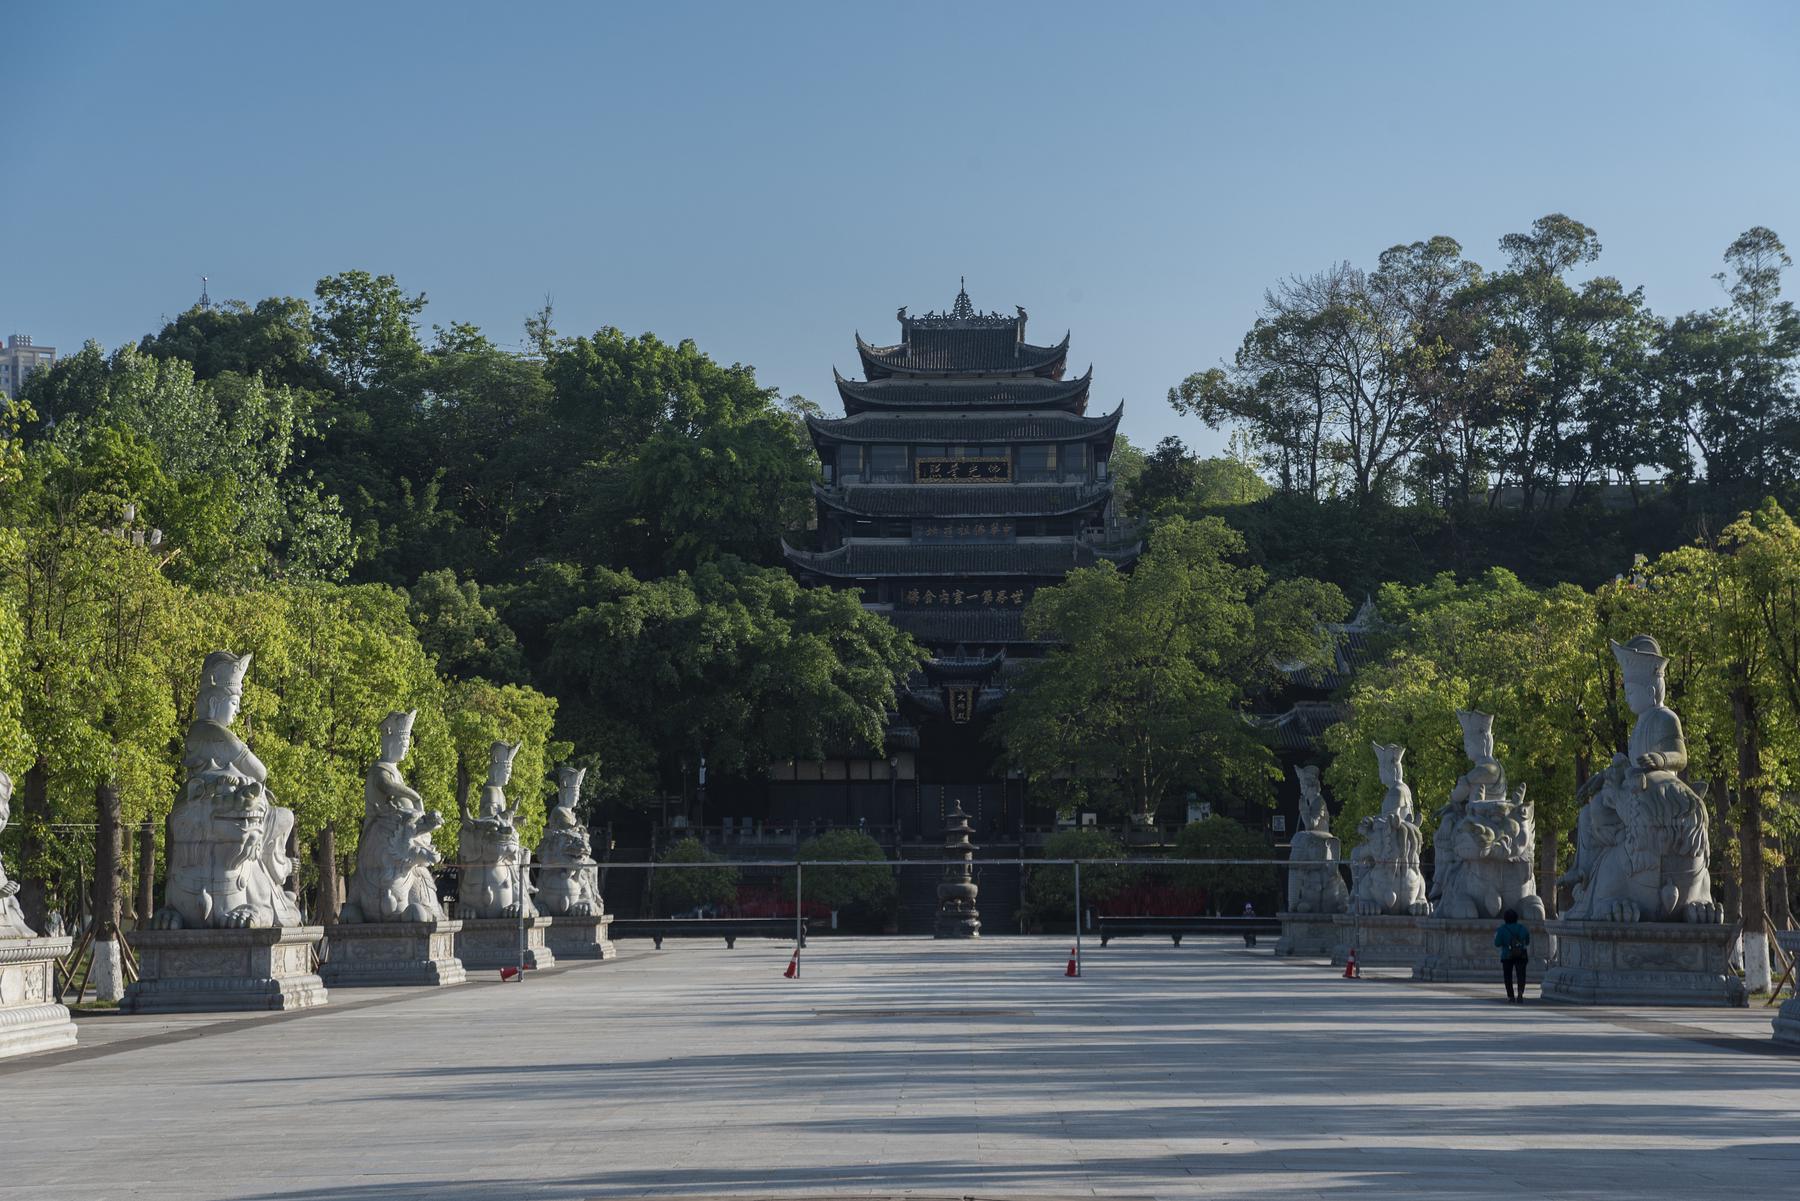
x,y
964,475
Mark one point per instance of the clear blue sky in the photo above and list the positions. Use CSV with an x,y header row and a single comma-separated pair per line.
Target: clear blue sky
x,y
768,178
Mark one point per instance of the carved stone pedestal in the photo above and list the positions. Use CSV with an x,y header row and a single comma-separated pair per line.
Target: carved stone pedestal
x,y
493,942
1307,935
1462,951
30,1018
1641,963
1787,1018
384,953
581,937
1380,941
203,971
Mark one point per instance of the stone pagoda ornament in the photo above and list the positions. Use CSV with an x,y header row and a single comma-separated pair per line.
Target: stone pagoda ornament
x,y
957,916
393,929
1482,866
569,878
1315,883
1387,890
31,1018
229,935
501,927
1643,927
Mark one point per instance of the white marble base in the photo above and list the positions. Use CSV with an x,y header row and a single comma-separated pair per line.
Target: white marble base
x,y
1641,963
359,954
1787,1018
1462,951
30,1017
1380,941
1307,935
581,937
493,942
204,971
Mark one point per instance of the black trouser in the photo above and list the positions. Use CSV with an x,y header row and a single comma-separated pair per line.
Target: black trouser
x,y
1515,969
1249,938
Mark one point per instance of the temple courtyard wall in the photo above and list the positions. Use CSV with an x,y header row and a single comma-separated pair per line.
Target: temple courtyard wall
x,y
900,1065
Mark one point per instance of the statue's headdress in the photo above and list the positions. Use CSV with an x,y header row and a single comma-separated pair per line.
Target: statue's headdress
x,y
1475,722
1640,659
222,669
1389,753
1307,774
398,722
570,777
502,753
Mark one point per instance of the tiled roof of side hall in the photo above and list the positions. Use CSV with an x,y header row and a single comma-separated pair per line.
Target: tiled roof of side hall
x,y
960,428
987,351
1048,559
1003,392
972,500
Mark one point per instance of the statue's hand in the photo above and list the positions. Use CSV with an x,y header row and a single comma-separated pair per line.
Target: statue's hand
x,y
241,918
1650,761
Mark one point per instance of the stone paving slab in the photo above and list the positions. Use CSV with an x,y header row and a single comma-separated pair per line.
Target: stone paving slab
x,y
910,1068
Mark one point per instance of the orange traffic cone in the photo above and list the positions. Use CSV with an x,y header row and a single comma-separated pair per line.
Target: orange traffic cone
x,y
1351,971
1071,970
793,967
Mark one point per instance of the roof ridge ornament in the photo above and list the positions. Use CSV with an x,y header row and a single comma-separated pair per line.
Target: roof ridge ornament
x,y
962,309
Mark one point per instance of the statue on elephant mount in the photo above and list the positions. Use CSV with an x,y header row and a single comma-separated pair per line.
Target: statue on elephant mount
x,y
493,878
12,918
1484,841
228,861
394,858
1314,882
1385,864
1641,843
568,877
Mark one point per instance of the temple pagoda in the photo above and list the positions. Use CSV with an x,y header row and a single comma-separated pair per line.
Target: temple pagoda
x,y
964,475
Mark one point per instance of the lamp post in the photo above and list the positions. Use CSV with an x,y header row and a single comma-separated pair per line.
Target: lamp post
x,y
893,800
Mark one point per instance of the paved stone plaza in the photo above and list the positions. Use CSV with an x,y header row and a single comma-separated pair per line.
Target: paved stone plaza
x,y
892,1066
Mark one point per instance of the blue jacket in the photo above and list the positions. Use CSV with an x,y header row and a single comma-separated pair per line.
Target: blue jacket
x,y
1509,934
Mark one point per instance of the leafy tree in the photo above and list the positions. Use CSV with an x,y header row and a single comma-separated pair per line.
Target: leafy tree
x,y
678,888
1228,885
467,637
1145,691
273,339
365,328
869,891
1050,889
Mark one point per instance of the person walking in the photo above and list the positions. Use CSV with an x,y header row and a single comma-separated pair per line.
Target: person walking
x,y
1514,941
1249,934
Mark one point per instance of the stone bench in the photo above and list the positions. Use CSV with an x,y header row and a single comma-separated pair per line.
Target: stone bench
x,y
1175,927
729,928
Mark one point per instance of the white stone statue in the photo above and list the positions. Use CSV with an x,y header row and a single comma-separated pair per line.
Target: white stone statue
x,y
228,861
568,877
1641,843
1314,882
1385,864
1485,840
493,880
393,881
12,918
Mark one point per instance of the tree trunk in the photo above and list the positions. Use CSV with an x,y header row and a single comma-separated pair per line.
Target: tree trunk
x,y
1780,899
109,979
146,875
326,855
34,810
127,864
1757,976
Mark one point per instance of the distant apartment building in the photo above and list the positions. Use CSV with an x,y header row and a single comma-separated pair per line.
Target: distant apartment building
x,y
18,359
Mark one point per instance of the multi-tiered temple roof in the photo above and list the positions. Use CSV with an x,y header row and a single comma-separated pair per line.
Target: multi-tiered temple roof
x,y
964,475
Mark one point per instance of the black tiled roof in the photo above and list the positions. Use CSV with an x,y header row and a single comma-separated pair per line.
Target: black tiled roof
x,y
1030,392
1301,727
971,500
965,627
957,351
961,428
867,560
